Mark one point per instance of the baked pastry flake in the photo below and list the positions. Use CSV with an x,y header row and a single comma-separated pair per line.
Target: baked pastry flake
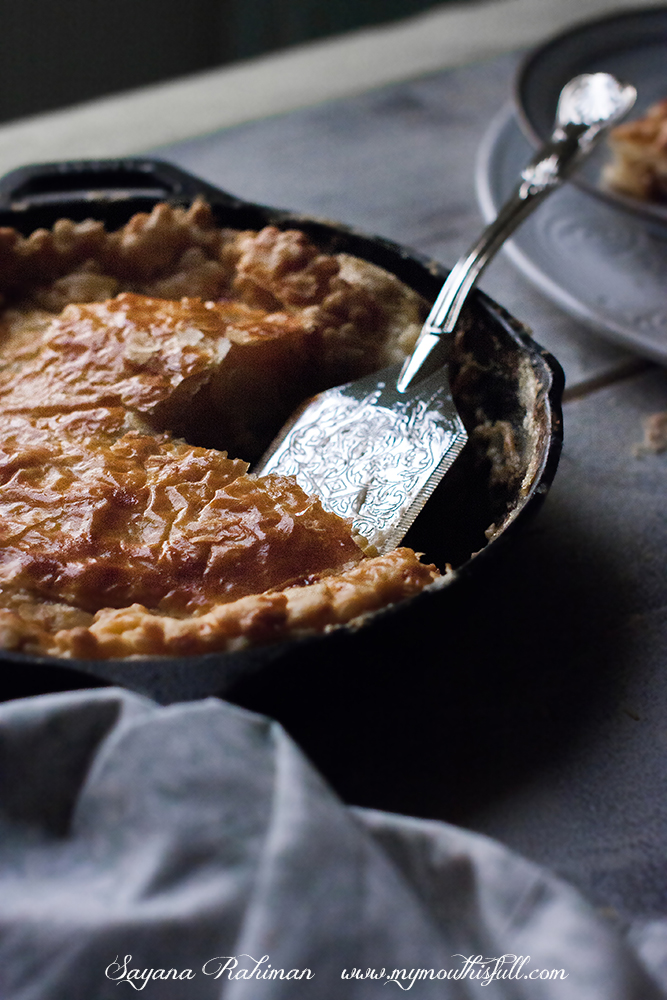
x,y
639,149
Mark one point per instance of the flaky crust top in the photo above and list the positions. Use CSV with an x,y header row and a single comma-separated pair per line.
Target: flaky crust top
x,y
117,536
639,147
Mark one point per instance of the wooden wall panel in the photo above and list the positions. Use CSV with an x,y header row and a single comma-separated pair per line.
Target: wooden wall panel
x,y
59,52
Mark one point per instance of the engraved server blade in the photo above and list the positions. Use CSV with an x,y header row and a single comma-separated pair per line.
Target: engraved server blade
x,y
371,453
375,449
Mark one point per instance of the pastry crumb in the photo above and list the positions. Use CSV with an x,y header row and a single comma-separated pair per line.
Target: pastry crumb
x,y
655,435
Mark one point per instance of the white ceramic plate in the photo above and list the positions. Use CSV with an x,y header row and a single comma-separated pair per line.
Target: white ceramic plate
x,y
632,46
605,267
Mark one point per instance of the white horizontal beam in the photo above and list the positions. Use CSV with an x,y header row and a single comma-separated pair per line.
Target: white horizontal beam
x,y
140,120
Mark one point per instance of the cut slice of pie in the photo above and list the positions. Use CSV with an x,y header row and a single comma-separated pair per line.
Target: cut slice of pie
x,y
639,148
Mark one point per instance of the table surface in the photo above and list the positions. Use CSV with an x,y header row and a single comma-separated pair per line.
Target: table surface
x,y
544,719
544,722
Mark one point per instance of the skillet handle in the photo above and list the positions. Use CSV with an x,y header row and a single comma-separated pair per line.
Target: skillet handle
x,y
103,181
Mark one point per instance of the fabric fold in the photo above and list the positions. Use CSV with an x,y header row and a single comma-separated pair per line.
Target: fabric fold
x,y
192,852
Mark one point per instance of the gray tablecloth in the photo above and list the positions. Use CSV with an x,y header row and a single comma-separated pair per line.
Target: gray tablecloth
x,y
193,852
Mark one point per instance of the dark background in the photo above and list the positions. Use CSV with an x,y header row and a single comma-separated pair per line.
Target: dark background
x,y
53,54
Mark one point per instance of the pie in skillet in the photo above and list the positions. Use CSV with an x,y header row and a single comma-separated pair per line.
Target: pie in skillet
x,y
140,371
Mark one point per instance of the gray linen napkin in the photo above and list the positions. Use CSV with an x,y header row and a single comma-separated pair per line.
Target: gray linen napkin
x,y
191,852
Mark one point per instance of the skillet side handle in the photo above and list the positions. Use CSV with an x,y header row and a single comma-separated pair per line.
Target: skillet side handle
x,y
104,180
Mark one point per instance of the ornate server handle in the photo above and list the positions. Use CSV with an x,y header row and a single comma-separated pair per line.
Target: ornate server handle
x,y
588,106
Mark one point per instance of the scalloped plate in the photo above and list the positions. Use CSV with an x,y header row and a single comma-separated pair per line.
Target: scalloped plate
x,y
632,46
604,267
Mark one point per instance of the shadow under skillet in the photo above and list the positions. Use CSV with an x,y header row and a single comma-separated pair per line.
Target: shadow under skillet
x,y
533,707
473,701
34,678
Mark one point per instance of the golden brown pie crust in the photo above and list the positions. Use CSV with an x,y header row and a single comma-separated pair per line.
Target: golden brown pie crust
x,y
117,537
639,147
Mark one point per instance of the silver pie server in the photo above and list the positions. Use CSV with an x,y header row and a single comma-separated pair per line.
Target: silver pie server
x,y
374,450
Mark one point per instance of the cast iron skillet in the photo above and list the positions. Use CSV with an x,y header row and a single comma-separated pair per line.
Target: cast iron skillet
x,y
498,374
